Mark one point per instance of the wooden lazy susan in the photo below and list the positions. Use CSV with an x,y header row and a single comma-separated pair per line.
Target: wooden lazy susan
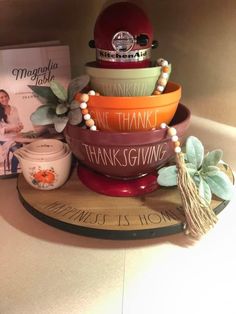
x,y
77,209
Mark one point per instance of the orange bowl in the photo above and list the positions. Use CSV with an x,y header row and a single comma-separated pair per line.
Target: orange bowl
x,y
131,114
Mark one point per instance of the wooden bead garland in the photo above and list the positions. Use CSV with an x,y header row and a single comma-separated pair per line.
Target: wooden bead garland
x,y
84,98
172,132
163,78
198,213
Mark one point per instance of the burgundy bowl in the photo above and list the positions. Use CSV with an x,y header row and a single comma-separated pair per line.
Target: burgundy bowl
x,y
125,155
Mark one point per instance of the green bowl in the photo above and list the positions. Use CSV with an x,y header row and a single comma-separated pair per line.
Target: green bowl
x,y
123,82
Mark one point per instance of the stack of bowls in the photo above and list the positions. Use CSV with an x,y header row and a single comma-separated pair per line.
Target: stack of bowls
x,y
129,142
45,163
127,106
127,103
125,155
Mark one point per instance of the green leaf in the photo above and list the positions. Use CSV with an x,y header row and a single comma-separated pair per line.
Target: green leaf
x,y
58,90
61,109
159,171
45,92
196,179
60,123
190,166
220,185
212,158
192,171
204,191
211,171
74,104
42,116
76,85
167,176
75,116
194,151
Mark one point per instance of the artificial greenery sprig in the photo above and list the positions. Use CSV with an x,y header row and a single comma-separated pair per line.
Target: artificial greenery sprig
x,y
59,106
204,170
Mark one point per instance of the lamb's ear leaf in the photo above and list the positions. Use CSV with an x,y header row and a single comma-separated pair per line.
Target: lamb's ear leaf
x,y
43,115
60,123
211,170
75,116
61,109
212,158
205,191
76,85
44,92
194,151
191,166
74,104
192,169
58,90
167,176
220,185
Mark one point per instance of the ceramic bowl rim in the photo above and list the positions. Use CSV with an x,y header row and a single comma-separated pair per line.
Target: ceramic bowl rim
x,y
176,87
44,153
124,74
157,101
62,157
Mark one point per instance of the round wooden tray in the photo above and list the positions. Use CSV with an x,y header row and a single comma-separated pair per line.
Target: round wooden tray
x,y
77,209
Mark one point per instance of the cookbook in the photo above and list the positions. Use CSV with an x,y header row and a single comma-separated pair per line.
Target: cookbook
x,y
20,67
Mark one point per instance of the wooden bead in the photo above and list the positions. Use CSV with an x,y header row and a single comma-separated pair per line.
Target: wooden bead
x,y
164,63
162,81
84,97
90,123
87,117
84,111
174,138
156,92
164,75
165,69
159,61
177,143
160,88
91,93
83,105
172,131
93,128
163,125
177,150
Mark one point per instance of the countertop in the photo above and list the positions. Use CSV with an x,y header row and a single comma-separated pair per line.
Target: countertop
x,y
44,270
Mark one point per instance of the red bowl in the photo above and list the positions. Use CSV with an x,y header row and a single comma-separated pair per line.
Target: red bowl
x,y
125,155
